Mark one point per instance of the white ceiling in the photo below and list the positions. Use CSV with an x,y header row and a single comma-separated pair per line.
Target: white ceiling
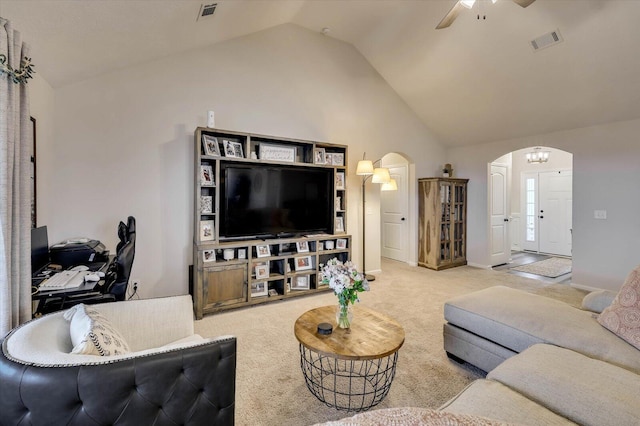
x,y
475,82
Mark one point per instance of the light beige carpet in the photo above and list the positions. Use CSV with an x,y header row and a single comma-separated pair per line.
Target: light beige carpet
x,y
552,267
270,388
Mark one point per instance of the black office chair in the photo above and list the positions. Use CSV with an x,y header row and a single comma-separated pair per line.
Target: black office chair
x,y
116,279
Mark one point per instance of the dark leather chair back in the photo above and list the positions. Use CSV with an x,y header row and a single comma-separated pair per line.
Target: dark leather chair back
x,y
117,277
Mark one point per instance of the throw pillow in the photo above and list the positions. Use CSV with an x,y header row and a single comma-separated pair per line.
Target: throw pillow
x,y
597,301
93,334
622,317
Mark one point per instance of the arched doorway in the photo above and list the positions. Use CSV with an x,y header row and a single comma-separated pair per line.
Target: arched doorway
x,y
530,204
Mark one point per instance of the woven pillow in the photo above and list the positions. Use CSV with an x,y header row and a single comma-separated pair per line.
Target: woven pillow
x,y
93,334
622,317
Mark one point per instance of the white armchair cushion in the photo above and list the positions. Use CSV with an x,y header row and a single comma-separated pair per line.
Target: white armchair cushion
x,y
93,334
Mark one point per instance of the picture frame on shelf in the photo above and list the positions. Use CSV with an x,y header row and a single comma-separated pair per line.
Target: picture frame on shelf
x,y
300,282
337,159
273,292
210,145
339,224
263,250
328,158
302,246
206,204
321,282
207,230
242,253
208,256
206,175
262,272
341,243
338,203
303,263
259,289
319,156
340,180
232,149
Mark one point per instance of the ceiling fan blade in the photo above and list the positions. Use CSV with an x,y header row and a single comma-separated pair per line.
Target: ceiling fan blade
x,y
523,3
451,16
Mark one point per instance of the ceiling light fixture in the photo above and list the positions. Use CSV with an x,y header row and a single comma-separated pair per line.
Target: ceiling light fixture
x,y
537,155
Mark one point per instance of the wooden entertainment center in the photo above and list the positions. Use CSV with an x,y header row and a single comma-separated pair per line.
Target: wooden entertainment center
x,y
235,272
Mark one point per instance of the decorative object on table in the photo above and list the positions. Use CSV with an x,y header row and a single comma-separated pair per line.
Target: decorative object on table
x,y
365,168
447,170
210,145
325,328
206,175
346,282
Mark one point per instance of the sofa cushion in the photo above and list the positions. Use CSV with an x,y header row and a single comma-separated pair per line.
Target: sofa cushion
x,y
492,399
582,389
598,301
412,416
93,334
623,316
516,320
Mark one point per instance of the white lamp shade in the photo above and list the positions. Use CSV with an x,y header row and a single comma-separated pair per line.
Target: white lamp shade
x,y
365,168
389,186
381,175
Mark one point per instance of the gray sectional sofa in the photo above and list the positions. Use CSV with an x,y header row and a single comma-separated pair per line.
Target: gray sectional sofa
x,y
549,363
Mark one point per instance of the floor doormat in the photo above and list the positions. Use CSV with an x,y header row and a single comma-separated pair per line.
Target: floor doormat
x,y
552,268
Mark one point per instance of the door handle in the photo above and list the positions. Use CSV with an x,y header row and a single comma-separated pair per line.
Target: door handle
x,y
541,217
402,218
506,220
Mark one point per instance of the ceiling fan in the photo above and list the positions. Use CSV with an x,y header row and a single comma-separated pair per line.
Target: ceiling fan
x,y
468,4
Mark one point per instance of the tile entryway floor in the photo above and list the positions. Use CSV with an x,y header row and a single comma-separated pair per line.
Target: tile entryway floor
x,y
522,258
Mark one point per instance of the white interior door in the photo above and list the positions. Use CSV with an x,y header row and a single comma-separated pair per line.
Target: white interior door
x,y
555,210
499,214
395,220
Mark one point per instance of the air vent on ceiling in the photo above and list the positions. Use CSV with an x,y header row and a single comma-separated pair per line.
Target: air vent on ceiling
x,y
546,40
206,10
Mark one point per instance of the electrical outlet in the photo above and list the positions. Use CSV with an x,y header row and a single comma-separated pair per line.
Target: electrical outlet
x,y
600,214
135,284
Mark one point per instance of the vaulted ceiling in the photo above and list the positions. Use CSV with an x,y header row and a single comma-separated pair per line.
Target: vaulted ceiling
x,y
474,82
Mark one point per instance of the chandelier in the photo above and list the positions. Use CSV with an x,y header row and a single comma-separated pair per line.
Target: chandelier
x,y
537,155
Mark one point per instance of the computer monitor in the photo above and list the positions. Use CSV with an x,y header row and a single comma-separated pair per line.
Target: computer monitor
x,y
39,249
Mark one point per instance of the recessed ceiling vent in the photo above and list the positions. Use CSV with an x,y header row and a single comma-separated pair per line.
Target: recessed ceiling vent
x,y
547,40
206,10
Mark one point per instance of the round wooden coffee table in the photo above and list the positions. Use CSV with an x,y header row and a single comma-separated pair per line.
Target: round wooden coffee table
x,y
350,369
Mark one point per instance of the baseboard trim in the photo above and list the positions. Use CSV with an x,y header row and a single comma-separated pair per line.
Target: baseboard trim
x,y
585,287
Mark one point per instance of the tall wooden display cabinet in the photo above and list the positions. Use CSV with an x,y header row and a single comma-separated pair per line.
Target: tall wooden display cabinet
x,y
442,222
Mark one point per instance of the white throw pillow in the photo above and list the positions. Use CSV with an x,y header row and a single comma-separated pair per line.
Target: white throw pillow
x,y
93,334
597,301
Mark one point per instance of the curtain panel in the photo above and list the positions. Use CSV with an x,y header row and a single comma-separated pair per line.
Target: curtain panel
x,y
15,189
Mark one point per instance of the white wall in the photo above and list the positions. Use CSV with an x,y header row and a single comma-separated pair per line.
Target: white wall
x,y
124,141
605,177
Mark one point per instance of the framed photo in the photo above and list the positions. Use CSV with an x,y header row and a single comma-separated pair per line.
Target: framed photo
x,y
208,255
341,243
232,149
273,292
303,263
339,224
206,175
206,204
300,282
262,272
340,180
338,159
206,230
263,250
328,158
210,145
302,246
319,156
242,253
269,151
338,203
259,289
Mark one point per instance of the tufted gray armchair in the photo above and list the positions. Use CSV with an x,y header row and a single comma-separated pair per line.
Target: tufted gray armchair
x,y
171,377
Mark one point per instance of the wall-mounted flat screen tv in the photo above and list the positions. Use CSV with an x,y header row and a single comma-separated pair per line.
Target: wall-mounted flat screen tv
x,y
265,200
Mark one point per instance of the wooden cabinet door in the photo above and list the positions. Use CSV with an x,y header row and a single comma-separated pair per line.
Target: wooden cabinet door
x,y
224,285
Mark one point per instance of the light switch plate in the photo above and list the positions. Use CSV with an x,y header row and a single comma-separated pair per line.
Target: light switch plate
x,y
599,214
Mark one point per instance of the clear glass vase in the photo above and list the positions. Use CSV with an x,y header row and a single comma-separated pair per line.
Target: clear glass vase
x,y
344,316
